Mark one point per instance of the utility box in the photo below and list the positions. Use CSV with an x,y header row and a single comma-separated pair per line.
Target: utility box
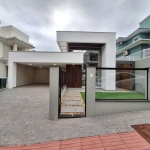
x,y
3,82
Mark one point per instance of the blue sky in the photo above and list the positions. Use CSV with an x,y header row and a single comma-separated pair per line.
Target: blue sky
x,y
40,19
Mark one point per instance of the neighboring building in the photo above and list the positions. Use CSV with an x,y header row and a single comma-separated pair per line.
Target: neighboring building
x,y
11,39
136,45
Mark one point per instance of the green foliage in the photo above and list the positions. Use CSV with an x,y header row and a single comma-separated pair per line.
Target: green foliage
x,y
116,95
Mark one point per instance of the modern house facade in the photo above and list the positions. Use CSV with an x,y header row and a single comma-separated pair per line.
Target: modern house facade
x,y
31,67
136,45
70,61
11,39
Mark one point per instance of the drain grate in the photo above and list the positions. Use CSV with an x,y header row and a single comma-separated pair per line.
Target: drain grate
x,y
143,130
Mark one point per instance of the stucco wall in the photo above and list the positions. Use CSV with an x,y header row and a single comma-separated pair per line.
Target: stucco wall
x,y
108,54
40,57
103,108
95,108
41,75
11,31
2,69
1,49
6,50
25,75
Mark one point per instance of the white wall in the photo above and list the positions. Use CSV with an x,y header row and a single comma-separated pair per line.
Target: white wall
x,y
6,50
40,57
25,75
2,69
1,32
11,31
46,57
1,49
108,54
41,75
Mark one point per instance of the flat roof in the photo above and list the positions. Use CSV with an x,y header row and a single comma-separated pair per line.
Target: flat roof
x,y
12,27
86,31
139,30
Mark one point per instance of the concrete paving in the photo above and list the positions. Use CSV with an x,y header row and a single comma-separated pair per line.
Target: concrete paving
x,y
24,119
76,103
71,109
72,102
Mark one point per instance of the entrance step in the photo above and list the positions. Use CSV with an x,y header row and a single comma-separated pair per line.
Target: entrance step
x,y
77,103
72,109
72,98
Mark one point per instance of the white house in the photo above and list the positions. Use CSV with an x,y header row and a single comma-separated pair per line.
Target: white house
x,y
11,39
33,67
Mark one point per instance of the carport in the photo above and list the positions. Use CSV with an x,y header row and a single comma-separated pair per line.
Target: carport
x,y
31,74
33,67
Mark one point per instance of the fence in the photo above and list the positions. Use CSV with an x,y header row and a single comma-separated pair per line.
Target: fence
x,y
121,84
136,56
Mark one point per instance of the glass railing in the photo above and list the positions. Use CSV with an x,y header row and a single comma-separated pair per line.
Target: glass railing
x,y
121,84
136,56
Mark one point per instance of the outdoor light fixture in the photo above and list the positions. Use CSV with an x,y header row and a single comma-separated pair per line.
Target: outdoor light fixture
x,y
54,64
30,64
72,64
40,66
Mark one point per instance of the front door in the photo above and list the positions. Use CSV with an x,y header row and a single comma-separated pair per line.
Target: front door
x,y
74,76
125,77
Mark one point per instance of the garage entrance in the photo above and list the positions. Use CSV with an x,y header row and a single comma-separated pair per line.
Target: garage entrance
x,y
31,74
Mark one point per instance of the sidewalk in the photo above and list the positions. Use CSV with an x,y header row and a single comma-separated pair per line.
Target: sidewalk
x,y
120,141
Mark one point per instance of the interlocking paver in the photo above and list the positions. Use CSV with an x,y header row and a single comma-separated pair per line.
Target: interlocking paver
x,y
105,142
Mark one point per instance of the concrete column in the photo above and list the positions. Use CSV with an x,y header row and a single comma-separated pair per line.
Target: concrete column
x,y
12,75
90,91
15,47
108,61
54,91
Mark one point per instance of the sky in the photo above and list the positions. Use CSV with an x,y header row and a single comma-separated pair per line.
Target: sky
x,y
40,19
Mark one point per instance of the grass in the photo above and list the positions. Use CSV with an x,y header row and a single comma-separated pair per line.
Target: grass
x,y
116,95
83,95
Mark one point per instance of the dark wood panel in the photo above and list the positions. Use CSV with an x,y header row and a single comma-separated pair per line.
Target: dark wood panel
x,y
125,76
143,130
74,76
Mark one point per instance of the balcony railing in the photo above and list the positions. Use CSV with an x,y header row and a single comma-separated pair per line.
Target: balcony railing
x,y
136,56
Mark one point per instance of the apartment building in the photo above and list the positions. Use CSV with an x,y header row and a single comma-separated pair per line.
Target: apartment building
x,y
11,39
136,45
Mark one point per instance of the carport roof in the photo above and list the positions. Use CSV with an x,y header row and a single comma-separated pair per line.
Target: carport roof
x,y
84,46
69,41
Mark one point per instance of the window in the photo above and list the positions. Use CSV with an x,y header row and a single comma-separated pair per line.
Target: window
x,y
135,39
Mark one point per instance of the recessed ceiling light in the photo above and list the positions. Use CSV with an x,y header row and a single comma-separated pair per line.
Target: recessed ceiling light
x,y
54,64
30,64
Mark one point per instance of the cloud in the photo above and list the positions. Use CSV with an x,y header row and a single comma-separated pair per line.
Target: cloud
x,y
41,19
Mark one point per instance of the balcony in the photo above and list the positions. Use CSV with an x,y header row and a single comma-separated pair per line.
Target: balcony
x,y
136,56
134,44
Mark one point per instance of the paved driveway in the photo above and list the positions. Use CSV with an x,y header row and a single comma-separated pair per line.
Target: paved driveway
x,y
24,119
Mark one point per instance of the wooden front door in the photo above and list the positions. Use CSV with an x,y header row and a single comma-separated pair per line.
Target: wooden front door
x,y
125,77
74,76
